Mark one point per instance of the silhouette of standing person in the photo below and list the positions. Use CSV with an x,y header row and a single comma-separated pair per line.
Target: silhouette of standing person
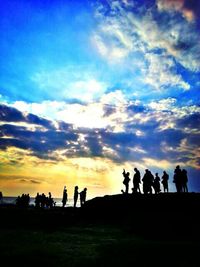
x,y
156,184
184,181
75,195
136,181
50,201
178,179
165,179
64,199
1,198
126,180
37,201
147,182
83,196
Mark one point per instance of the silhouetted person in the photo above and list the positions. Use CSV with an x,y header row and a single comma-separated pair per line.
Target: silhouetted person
x,y
27,199
37,201
1,198
136,181
18,201
50,201
23,200
178,179
126,180
64,199
83,196
156,184
43,200
75,195
184,180
147,182
165,179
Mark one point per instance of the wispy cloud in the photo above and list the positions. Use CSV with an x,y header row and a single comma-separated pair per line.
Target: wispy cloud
x,y
161,41
70,83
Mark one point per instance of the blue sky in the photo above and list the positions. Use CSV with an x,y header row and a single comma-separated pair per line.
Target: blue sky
x,y
116,80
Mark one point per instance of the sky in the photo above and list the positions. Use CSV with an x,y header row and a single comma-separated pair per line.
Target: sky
x,y
88,88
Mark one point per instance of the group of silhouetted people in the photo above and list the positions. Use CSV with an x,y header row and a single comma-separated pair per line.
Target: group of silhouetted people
x,y
150,182
23,200
76,194
43,201
180,180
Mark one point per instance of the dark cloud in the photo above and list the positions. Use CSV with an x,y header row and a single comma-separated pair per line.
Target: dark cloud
x,y
35,182
153,143
190,121
10,114
108,110
38,141
26,180
31,118
35,140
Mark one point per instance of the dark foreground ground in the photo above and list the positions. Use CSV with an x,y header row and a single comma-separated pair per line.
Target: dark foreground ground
x,y
116,230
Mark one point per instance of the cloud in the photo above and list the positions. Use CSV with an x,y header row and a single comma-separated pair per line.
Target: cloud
x,y
163,39
12,114
187,8
126,131
162,105
160,73
70,83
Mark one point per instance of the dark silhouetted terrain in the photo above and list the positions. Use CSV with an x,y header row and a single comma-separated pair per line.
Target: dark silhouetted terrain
x,y
119,230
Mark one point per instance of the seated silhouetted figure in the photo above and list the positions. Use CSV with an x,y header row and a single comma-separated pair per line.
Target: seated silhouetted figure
x,y
136,181
184,180
147,182
64,199
126,180
83,196
178,179
156,184
75,196
165,179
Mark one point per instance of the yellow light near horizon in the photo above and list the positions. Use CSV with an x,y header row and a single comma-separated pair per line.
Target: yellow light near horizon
x,y
25,173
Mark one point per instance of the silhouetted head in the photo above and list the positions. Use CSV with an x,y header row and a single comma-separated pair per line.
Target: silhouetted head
x,y
76,187
177,167
184,171
128,173
135,169
85,189
146,170
156,174
164,172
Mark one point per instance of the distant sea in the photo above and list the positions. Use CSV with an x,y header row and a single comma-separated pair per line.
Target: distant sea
x,y
12,200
